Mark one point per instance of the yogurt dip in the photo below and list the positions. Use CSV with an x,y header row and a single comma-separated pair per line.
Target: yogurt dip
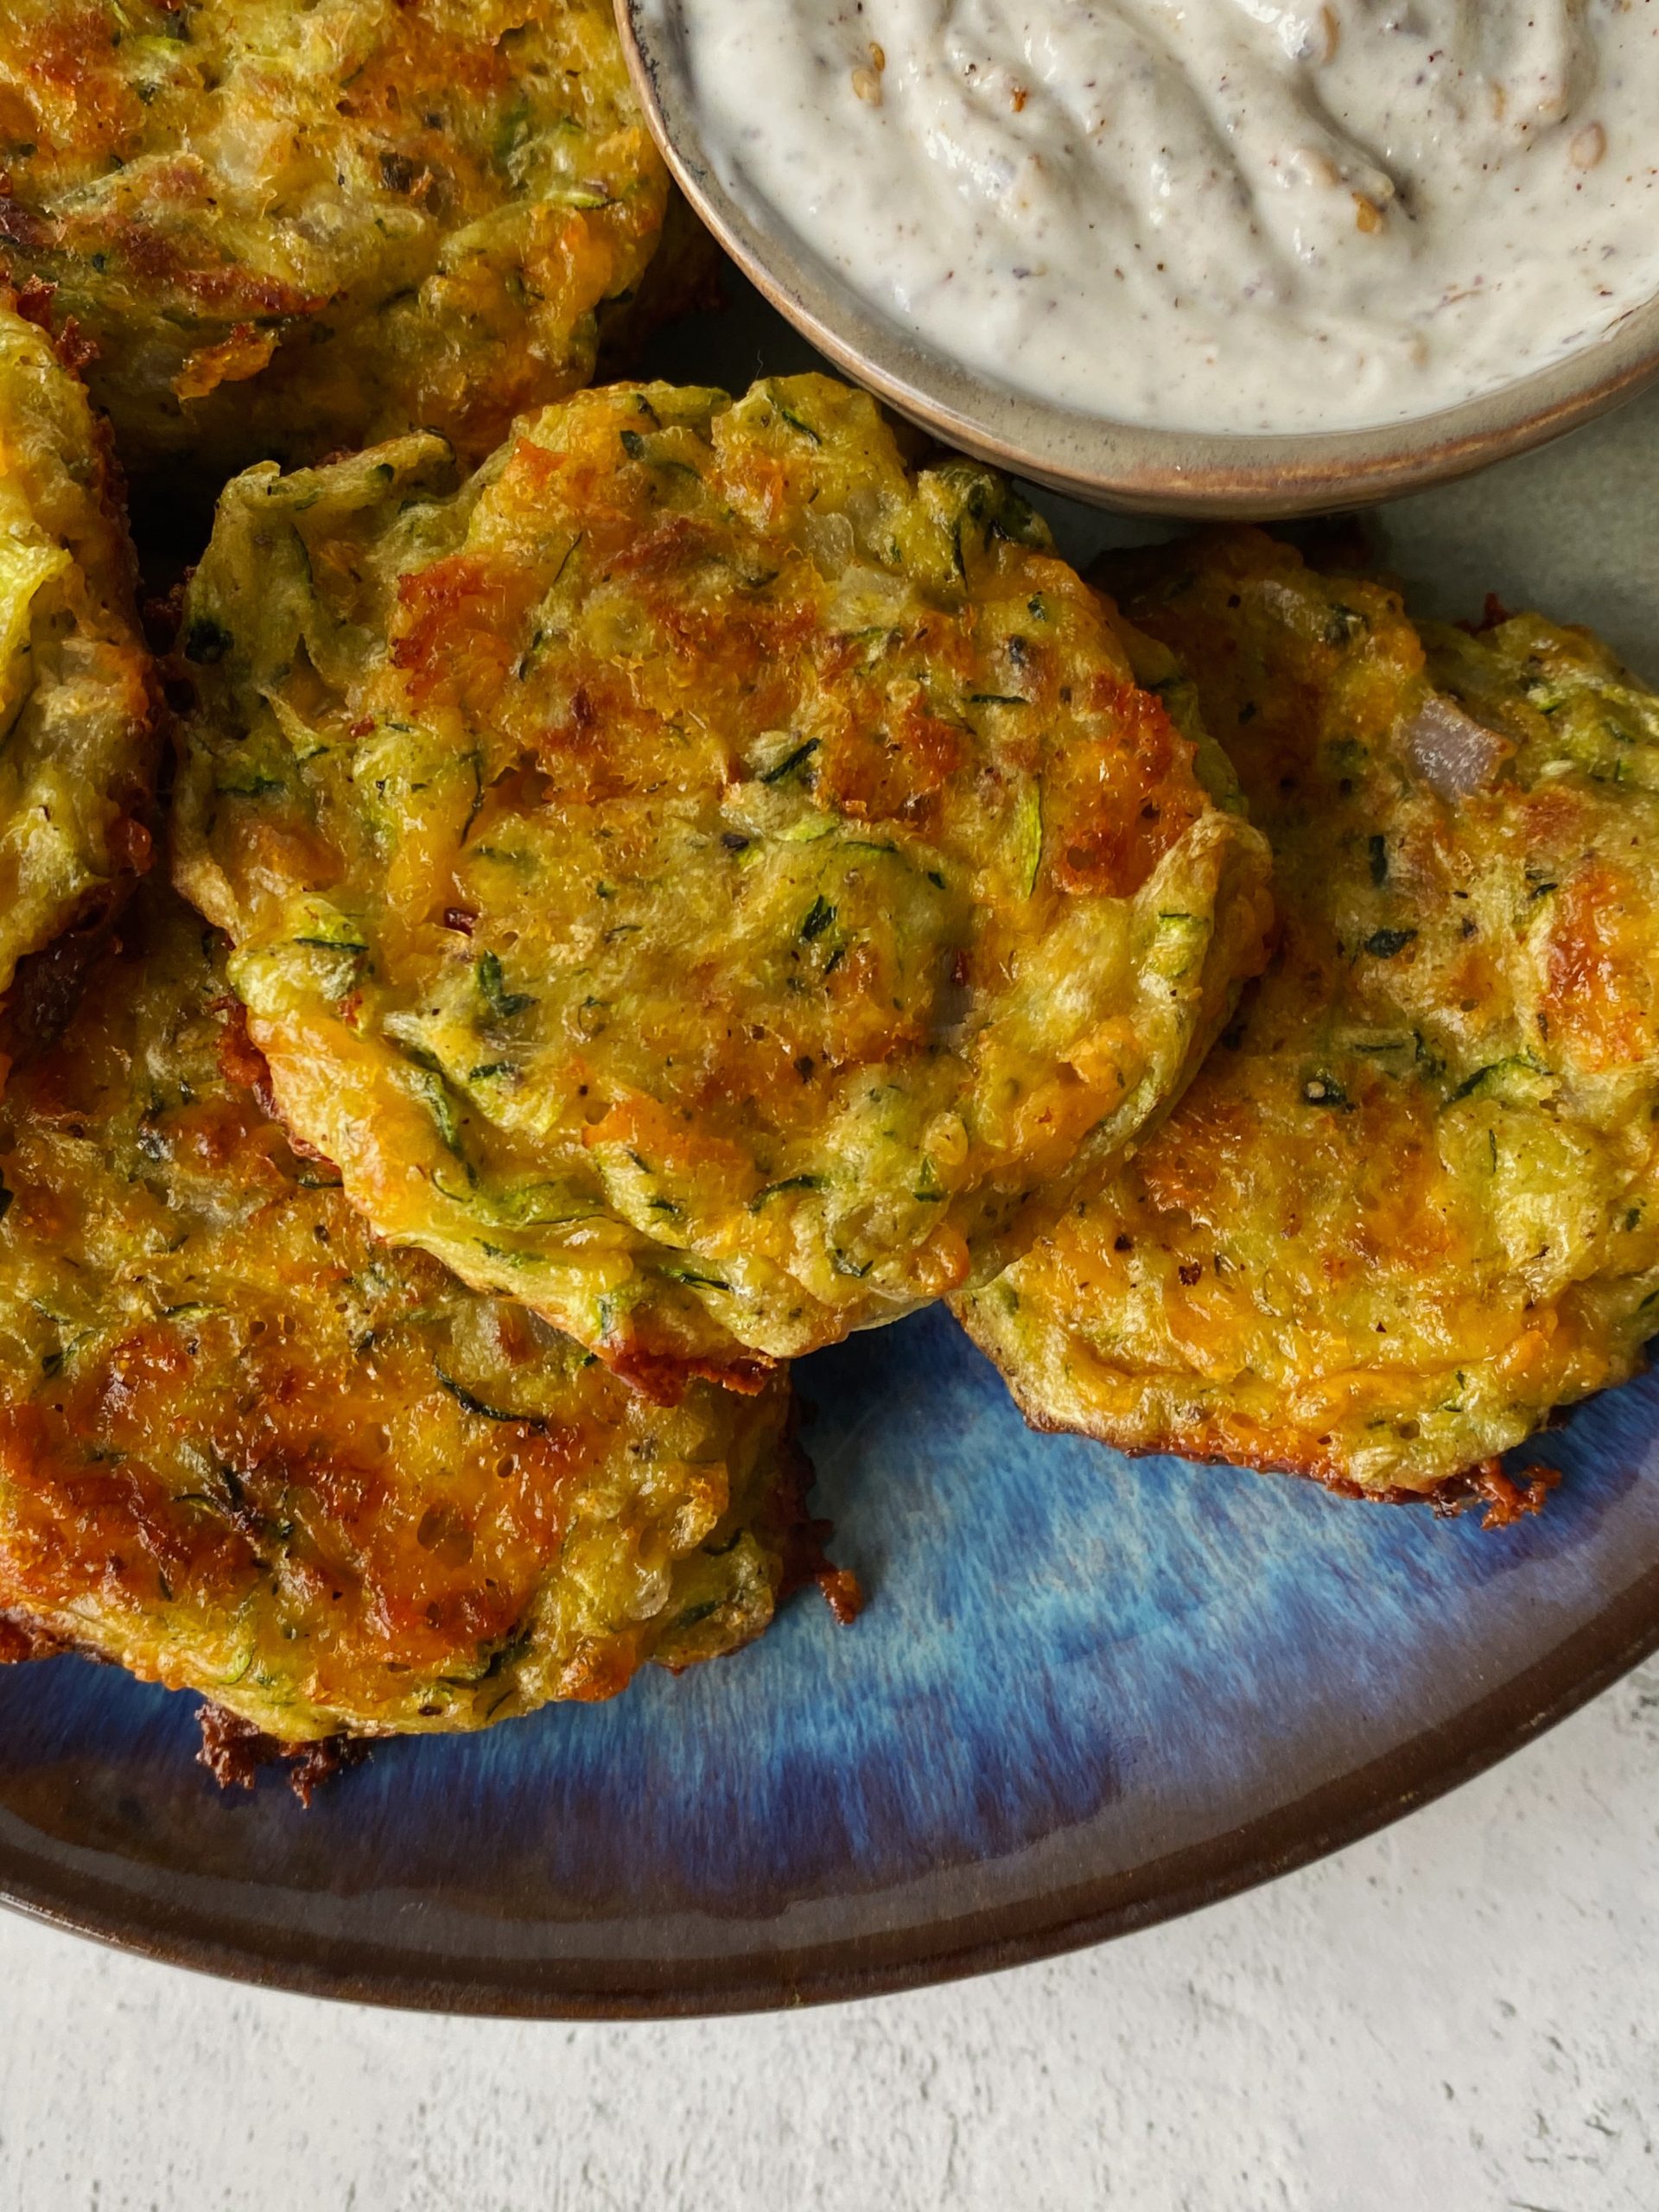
x,y
1208,215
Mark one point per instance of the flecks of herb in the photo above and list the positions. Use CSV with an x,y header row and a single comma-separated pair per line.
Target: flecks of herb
x,y
795,422
633,445
788,1183
501,1003
254,787
791,761
507,1654
206,640
473,1404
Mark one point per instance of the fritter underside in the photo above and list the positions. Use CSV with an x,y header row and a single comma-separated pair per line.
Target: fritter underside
x,y
293,228
700,876
247,1448
75,711
1409,1205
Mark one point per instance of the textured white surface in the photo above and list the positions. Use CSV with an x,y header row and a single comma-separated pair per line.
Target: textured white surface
x,y
1457,2016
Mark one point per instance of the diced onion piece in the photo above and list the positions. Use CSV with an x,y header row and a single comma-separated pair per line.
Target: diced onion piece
x,y
1453,753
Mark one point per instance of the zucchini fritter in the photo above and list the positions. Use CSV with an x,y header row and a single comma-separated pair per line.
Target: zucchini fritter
x,y
291,227
1411,1202
75,719
698,875
247,1448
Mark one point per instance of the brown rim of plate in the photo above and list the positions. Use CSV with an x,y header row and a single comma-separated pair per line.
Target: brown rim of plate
x,y
1089,457
1337,1813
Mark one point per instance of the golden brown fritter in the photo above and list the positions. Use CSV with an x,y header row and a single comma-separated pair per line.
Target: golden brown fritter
x,y
291,228
1411,1203
247,1448
698,874
76,727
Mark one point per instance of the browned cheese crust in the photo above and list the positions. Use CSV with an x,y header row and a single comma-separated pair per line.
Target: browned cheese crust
x,y
293,225
77,721
1411,1204
247,1449
700,874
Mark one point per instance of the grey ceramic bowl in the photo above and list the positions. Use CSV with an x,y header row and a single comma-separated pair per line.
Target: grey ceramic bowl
x,y
1091,458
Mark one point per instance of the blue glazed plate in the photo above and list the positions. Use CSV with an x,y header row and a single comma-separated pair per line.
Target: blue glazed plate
x,y
1086,1693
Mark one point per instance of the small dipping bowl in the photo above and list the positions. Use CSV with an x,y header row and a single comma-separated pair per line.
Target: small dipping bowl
x,y
1087,457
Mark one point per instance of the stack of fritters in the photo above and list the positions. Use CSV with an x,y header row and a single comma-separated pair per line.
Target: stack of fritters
x,y
675,881
1411,1203
243,1445
246,1446
710,884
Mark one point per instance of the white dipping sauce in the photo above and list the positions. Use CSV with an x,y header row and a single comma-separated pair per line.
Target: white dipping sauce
x,y
1209,214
